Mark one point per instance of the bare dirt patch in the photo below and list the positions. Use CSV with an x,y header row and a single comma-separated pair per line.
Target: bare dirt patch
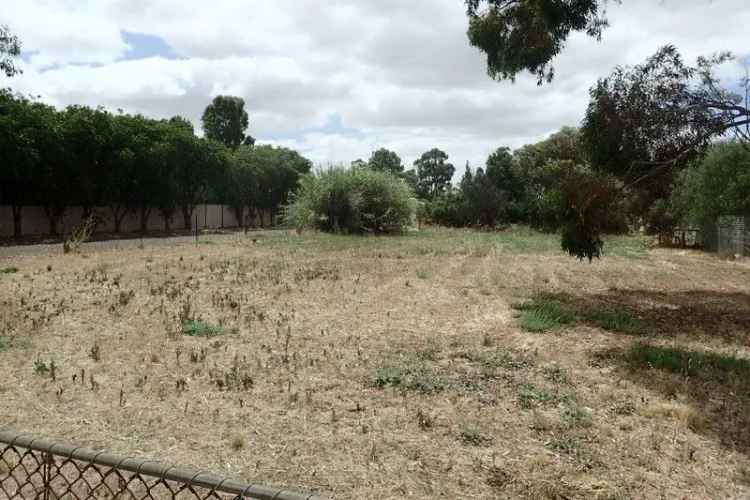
x,y
388,367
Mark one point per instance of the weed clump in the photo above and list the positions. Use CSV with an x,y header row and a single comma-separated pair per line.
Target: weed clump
x,y
474,437
195,328
409,376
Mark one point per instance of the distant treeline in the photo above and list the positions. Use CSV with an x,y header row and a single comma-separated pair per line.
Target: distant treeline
x,y
89,157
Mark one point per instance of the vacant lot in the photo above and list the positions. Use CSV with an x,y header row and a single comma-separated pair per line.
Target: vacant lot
x,y
444,364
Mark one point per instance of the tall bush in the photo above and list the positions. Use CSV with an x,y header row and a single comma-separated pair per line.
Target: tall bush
x,y
352,201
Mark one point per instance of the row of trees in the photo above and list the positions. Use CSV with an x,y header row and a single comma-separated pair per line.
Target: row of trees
x,y
644,126
431,175
521,186
89,157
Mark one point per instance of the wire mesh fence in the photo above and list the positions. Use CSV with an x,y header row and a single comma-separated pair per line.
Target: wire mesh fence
x,y
45,470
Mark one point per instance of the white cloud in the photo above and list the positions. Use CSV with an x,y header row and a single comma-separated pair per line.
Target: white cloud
x,y
402,73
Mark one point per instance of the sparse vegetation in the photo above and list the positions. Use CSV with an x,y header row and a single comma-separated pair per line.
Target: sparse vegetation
x,y
403,373
474,437
295,340
575,449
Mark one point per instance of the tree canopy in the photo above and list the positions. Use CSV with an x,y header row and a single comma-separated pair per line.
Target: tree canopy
x,y
718,184
434,173
89,157
526,35
385,161
10,49
225,120
646,123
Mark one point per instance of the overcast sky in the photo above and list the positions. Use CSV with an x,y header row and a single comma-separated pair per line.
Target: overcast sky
x,y
336,79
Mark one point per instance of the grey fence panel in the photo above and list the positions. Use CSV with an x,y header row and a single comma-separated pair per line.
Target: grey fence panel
x,y
733,235
33,468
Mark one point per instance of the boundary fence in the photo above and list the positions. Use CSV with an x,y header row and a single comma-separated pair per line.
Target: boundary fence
x,y
33,468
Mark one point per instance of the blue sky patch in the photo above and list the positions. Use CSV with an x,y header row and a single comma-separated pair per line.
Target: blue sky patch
x,y
334,125
143,45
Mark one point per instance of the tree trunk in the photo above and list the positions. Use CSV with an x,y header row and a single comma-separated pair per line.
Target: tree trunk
x,y
17,220
239,213
187,215
144,214
118,214
167,214
52,219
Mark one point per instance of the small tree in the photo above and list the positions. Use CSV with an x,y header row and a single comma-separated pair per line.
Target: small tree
x,y
484,204
503,173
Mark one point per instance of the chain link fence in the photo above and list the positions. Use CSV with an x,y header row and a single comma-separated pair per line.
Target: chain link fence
x,y
45,470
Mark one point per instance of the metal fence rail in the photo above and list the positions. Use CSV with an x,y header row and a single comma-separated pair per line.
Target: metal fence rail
x,y
38,469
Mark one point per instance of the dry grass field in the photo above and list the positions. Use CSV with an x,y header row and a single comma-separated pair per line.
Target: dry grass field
x,y
441,364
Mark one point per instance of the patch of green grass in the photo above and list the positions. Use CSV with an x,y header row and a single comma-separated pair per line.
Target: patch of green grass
x,y
440,241
707,366
632,247
544,313
614,320
407,374
9,270
193,328
4,343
